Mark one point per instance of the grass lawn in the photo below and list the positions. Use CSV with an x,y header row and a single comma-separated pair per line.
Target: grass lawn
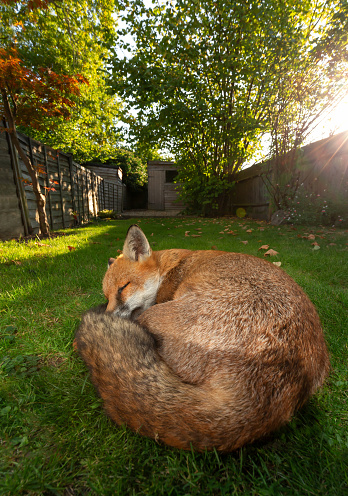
x,y
54,436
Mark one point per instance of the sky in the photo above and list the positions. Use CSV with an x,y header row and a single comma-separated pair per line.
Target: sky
x,y
338,121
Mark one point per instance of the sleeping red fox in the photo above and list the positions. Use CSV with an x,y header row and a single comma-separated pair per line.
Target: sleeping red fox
x,y
206,349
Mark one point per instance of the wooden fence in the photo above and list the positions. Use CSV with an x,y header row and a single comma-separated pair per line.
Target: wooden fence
x,y
77,196
322,170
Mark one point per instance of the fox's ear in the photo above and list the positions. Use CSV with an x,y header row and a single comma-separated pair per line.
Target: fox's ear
x,y
111,261
136,247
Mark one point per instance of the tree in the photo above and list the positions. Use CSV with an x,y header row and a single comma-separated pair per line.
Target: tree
x,y
69,37
307,93
133,168
25,96
206,76
65,38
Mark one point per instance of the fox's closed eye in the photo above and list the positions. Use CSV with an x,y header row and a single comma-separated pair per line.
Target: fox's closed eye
x,y
119,291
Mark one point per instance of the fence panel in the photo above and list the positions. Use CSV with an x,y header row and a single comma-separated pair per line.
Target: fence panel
x,y
322,170
74,194
12,223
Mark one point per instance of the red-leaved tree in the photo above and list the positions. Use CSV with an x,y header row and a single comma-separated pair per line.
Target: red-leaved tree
x,y
27,95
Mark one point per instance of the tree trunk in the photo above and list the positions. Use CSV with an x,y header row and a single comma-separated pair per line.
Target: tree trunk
x,y
40,198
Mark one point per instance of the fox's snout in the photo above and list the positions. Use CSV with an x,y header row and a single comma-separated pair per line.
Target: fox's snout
x,y
123,310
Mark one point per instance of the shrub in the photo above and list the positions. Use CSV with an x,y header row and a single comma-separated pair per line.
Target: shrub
x,y
311,208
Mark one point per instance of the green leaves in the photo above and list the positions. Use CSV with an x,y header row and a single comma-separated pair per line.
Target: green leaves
x,y
205,76
69,37
20,365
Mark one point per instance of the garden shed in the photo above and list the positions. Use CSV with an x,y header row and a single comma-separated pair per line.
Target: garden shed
x,y
163,192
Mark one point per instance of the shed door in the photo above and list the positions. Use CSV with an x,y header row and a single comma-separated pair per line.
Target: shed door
x,y
156,189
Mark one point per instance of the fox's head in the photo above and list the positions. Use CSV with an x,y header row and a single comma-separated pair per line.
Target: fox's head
x,y
132,280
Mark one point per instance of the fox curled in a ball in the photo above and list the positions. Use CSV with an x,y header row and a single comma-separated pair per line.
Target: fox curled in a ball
x,y
201,349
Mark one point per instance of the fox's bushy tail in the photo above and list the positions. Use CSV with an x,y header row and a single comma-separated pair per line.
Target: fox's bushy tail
x,y
137,387
141,391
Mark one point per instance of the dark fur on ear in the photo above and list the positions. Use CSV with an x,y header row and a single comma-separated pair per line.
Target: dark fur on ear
x,y
136,246
111,261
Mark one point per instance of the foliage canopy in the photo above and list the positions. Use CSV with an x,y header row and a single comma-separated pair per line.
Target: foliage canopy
x,y
209,78
69,37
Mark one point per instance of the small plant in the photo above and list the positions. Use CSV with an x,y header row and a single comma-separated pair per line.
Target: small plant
x,y
310,208
108,214
20,365
8,335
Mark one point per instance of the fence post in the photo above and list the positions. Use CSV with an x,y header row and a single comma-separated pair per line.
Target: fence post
x,y
98,192
104,208
116,193
60,188
19,186
87,196
72,193
48,185
100,186
93,194
78,192
82,195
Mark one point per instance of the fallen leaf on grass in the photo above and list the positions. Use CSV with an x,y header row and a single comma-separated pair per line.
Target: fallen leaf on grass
x,y
311,236
271,253
196,236
43,244
16,262
278,264
316,247
244,242
187,233
71,248
213,248
264,247
249,231
332,244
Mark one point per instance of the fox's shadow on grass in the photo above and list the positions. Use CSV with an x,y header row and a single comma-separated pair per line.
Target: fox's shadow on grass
x,y
70,422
